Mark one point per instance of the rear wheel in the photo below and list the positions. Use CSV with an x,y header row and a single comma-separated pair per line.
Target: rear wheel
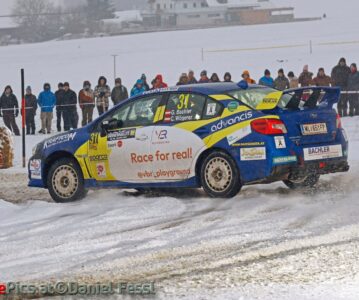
x,y
220,176
307,182
65,181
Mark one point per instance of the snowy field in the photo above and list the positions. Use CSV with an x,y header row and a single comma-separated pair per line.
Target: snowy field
x,y
266,243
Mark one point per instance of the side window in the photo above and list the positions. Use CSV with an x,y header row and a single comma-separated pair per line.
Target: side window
x,y
184,107
138,113
212,109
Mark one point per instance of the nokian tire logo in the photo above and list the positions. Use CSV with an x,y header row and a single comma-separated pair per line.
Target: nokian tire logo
x,y
222,124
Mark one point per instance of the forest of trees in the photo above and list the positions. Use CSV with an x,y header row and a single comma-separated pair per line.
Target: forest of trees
x,y
41,20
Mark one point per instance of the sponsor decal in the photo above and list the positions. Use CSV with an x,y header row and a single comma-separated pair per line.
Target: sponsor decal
x,y
59,139
280,142
269,100
211,109
255,153
161,156
161,137
232,106
249,144
35,168
169,89
121,134
323,152
284,160
222,124
101,169
99,157
238,135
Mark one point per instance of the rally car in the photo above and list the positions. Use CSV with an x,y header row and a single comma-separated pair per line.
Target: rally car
x,y
215,136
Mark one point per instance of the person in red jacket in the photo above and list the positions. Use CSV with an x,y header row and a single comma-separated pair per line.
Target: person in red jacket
x,y
158,82
87,103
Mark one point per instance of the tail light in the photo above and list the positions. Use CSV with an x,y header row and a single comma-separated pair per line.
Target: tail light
x,y
339,121
268,126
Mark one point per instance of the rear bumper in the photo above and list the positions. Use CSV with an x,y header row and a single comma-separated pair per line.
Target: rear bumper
x,y
284,172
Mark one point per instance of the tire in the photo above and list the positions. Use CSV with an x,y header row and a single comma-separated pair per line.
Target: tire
x,y
308,182
65,181
220,175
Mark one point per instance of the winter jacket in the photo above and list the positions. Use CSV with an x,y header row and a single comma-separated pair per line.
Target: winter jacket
x,y
86,98
119,93
353,81
9,105
281,83
102,94
30,104
294,83
160,84
322,80
192,81
59,100
305,78
340,76
137,91
266,81
205,80
47,101
70,101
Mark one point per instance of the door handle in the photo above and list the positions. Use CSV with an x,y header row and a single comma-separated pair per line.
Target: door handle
x,y
142,138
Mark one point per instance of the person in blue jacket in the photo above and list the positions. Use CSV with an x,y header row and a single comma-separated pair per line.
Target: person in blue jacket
x,y
267,80
47,102
138,88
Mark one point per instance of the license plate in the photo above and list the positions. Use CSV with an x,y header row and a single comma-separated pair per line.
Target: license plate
x,y
312,129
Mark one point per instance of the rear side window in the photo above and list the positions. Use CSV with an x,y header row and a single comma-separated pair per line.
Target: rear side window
x,y
184,107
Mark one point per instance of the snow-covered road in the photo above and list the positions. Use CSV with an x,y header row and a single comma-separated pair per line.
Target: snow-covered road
x,y
268,242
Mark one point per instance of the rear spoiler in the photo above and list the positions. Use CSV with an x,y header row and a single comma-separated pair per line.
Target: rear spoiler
x,y
314,96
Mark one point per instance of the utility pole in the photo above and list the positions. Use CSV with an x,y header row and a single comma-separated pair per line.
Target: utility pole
x,y
114,66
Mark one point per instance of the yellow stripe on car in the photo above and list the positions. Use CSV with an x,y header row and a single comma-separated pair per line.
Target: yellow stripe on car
x,y
221,97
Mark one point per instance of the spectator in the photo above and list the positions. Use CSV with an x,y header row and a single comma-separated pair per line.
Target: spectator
x,y
9,109
340,76
214,78
204,78
102,94
183,80
59,106
293,80
46,101
119,92
353,86
322,79
306,77
191,78
87,103
247,77
267,79
158,82
227,77
70,112
31,108
145,84
138,88
281,82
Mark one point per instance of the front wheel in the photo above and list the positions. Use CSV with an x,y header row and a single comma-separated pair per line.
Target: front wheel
x,y
65,181
307,182
220,176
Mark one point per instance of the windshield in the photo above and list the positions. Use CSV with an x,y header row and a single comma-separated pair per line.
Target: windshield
x,y
253,97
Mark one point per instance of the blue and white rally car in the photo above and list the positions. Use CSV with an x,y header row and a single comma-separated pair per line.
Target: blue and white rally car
x,y
215,136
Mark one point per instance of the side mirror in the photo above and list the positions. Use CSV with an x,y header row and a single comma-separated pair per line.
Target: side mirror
x,y
112,124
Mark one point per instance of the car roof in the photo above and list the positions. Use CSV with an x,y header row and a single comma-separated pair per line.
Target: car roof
x,y
202,88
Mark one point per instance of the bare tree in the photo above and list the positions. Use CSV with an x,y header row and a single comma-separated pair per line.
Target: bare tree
x,y
39,20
